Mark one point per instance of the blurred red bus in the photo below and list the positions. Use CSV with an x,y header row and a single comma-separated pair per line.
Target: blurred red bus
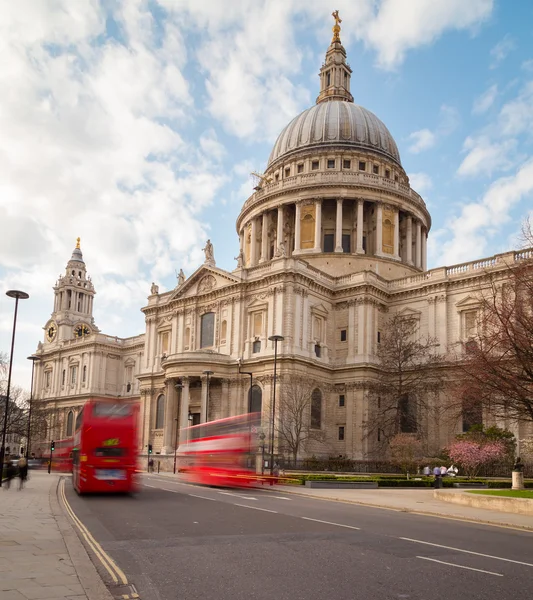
x,y
105,447
220,453
61,456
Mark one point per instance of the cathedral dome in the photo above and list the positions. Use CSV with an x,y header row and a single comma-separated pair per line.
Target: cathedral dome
x,y
336,124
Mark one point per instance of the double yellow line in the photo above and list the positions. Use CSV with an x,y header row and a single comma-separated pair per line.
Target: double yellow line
x,y
109,564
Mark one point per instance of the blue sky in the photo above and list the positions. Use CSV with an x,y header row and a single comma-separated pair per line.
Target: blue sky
x,y
135,125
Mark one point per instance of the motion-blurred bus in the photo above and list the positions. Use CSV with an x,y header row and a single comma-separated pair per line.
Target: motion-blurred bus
x,y
105,447
220,453
61,455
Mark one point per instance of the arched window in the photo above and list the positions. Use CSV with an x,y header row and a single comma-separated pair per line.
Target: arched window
x,y
207,330
316,409
255,399
70,423
407,414
160,412
472,412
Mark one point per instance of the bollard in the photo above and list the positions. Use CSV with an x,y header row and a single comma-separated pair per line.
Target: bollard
x,y
158,465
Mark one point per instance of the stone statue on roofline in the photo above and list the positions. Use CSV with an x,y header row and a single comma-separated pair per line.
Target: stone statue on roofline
x,y
181,277
209,254
154,289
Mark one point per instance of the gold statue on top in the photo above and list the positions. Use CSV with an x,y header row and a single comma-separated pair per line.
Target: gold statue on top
x,y
78,240
336,27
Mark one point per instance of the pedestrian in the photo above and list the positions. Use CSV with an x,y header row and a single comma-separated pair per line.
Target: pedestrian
x,y
151,465
427,471
11,472
275,473
443,471
436,473
23,472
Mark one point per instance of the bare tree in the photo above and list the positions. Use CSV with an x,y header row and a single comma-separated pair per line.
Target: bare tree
x,y
299,419
498,358
17,420
407,383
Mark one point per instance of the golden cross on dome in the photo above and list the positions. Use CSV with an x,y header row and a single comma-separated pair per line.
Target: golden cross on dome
x,y
78,240
336,27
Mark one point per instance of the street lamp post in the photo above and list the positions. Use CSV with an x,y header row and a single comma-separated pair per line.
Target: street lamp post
x,y
33,359
207,374
275,339
251,385
18,295
179,387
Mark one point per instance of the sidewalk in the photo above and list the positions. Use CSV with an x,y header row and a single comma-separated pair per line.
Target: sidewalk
x,y
420,501
41,556
413,500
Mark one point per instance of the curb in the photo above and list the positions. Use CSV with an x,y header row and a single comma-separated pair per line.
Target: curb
x,y
90,581
416,512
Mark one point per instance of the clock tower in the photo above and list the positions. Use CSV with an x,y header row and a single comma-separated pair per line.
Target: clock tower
x,y
73,302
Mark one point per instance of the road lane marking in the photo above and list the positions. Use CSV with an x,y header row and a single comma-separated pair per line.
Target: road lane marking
x,y
281,497
257,508
330,523
459,566
238,495
203,497
111,567
516,562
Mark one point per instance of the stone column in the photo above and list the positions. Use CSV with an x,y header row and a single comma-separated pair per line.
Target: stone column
x,y
424,250
359,242
418,248
184,408
170,416
264,239
318,225
396,233
279,233
379,230
409,240
297,227
205,408
338,226
253,243
224,400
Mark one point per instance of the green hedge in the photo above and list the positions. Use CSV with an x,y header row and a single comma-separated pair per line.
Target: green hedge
x,y
388,481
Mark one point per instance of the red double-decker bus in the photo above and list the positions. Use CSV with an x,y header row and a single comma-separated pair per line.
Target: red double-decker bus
x,y
105,447
220,453
61,454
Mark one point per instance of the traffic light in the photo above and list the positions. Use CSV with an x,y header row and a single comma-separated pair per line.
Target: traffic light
x,y
52,446
149,448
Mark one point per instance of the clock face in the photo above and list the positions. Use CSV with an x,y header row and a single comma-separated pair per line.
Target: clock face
x,y
81,330
51,332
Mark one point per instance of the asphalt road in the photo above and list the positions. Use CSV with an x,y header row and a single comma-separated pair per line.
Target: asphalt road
x,y
177,541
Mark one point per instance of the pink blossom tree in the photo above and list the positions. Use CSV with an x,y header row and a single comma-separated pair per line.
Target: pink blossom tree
x,y
473,455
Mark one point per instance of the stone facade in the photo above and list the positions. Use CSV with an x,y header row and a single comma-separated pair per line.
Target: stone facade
x,y
332,243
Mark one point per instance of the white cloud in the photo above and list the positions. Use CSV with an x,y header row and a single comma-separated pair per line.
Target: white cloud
x,y
480,220
402,26
420,182
421,140
501,50
449,120
485,157
516,116
483,102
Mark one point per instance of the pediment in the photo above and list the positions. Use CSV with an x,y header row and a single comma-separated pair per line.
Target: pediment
x,y
319,309
470,302
204,280
409,313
